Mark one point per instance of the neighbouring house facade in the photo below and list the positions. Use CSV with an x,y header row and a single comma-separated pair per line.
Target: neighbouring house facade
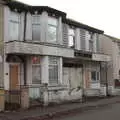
x,y
111,46
48,57
1,56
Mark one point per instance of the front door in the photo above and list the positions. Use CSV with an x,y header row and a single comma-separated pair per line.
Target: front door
x,y
14,84
14,77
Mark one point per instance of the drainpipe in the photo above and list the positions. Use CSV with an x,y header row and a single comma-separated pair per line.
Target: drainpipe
x,y
25,77
25,26
83,96
106,66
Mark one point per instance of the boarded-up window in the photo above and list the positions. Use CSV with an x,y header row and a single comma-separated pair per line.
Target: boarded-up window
x,y
14,26
71,38
36,27
53,70
65,34
91,41
52,29
83,38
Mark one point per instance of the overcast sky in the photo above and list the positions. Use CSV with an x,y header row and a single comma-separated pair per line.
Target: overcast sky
x,y
101,14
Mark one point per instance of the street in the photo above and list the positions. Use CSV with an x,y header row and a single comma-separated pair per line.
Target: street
x,y
111,112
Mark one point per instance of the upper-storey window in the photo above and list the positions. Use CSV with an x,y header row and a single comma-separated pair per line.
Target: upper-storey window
x,y
71,38
52,29
36,27
91,42
83,39
14,26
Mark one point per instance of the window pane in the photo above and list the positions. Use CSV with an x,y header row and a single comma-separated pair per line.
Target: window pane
x,y
53,74
15,17
36,19
14,30
71,37
36,32
51,33
53,70
93,76
71,32
71,41
36,74
52,21
90,45
98,75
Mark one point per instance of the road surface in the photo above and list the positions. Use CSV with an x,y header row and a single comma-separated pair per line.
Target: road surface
x,y
111,112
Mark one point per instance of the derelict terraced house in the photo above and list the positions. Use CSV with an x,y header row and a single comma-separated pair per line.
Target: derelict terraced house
x,y
48,57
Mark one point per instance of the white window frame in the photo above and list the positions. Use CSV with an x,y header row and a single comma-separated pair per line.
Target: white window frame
x,y
17,21
97,73
34,23
57,64
71,34
52,22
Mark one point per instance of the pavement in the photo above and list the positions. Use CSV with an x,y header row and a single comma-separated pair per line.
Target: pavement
x,y
110,112
44,113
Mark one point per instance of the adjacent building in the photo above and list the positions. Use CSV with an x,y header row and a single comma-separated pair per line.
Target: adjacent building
x,y
111,46
48,57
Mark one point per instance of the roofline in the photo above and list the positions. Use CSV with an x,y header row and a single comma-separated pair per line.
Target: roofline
x,y
114,39
25,7
81,25
13,4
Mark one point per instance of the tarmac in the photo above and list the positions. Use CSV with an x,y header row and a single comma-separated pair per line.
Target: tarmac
x,y
44,113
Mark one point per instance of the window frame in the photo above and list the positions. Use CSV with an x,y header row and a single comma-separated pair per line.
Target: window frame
x,y
15,22
91,42
38,65
52,22
36,24
57,64
97,76
73,37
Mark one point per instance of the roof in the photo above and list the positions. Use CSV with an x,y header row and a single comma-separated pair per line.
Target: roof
x,y
81,25
13,4
24,7
113,38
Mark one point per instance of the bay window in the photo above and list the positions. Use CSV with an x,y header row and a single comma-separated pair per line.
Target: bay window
x,y
36,27
36,70
14,26
71,38
53,70
52,29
